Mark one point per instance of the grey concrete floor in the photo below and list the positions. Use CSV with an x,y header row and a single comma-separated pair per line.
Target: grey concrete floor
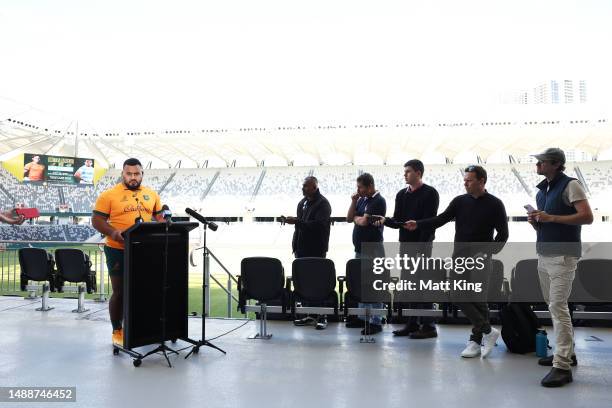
x,y
298,367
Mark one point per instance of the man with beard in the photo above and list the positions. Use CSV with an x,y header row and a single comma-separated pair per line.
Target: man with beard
x,y
311,236
116,210
562,209
367,210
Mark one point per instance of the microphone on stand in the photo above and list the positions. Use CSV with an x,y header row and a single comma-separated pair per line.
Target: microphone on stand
x,y
166,213
138,219
203,220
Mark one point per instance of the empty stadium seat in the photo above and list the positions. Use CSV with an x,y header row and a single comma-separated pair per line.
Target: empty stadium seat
x,y
593,282
37,265
314,283
525,283
353,279
498,286
73,265
261,279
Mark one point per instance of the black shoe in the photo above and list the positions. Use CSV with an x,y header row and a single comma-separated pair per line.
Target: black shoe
x,y
321,323
374,328
355,324
547,361
407,330
557,378
306,321
426,332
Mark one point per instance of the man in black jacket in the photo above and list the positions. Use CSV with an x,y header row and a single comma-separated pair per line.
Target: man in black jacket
x,y
415,202
477,215
311,236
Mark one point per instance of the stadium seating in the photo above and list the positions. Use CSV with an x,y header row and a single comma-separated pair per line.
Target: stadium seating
x,y
46,233
314,284
73,265
37,265
266,192
261,279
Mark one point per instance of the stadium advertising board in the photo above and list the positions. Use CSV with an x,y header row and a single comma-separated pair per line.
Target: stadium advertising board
x,y
57,169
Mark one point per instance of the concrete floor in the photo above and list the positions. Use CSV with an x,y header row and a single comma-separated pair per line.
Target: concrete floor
x,y
298,367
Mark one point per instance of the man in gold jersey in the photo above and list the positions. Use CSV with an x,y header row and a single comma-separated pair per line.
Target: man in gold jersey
x,y
34,170
116,210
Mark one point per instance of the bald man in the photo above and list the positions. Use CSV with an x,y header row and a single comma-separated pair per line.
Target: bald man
x,y
311,236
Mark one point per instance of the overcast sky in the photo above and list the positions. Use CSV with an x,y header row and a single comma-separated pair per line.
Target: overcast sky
x,y
238,63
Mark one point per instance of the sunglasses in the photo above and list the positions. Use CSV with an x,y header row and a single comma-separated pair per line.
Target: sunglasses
x,y
539,162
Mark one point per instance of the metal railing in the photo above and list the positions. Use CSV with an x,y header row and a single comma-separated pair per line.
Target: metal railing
x,y
10,270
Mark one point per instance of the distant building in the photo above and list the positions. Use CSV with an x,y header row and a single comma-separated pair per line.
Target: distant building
x,y
566,91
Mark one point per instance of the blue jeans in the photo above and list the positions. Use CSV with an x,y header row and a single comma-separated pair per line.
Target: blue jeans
x,y
373,319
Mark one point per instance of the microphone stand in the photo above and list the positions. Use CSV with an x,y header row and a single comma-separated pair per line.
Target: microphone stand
x,y
203,342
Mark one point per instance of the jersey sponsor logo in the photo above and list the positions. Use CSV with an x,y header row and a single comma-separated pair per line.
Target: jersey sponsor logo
x,y
133,208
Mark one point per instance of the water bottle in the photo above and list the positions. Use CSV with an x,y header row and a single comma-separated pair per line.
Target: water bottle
x,y
541,344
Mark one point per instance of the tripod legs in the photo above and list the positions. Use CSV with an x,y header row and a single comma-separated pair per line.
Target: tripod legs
x,y
162,348
196,347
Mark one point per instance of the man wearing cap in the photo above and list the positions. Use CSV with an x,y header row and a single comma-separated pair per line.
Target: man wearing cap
x,y
562,209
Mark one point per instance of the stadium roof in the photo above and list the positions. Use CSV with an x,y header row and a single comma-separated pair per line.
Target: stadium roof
x,y
507,129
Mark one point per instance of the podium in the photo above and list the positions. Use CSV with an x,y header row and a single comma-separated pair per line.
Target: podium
x,y
155,286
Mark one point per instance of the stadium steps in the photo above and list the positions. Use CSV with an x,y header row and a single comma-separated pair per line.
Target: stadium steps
x,y
64,228
520,179
212,181
582,179
62,197
258,185
7,194
166,183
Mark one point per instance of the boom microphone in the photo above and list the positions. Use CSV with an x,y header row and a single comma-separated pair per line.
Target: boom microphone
x,y
203,220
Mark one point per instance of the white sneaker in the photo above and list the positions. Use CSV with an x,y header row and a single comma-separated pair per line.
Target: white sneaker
x,y
489,340
472,350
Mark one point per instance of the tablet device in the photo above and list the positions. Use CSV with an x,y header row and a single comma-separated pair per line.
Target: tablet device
x,y
28,212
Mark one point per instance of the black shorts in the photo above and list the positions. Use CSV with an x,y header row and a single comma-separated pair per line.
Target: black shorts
x,y
114,261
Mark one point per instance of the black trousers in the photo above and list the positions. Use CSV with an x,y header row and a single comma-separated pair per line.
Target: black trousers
x,y
310,254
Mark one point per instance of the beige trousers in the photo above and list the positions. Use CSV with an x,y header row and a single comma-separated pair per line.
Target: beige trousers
x,y
556,276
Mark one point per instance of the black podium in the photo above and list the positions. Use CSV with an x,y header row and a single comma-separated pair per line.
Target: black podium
x,y
155,285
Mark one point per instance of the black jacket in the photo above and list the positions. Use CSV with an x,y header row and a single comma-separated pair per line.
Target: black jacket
x,y
311,234
420,204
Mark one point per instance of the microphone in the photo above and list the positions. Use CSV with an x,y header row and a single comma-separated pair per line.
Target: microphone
x,y
166,213
138,219
203,220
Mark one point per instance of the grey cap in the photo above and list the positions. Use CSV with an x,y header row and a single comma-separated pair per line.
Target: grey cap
x,y
553,154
